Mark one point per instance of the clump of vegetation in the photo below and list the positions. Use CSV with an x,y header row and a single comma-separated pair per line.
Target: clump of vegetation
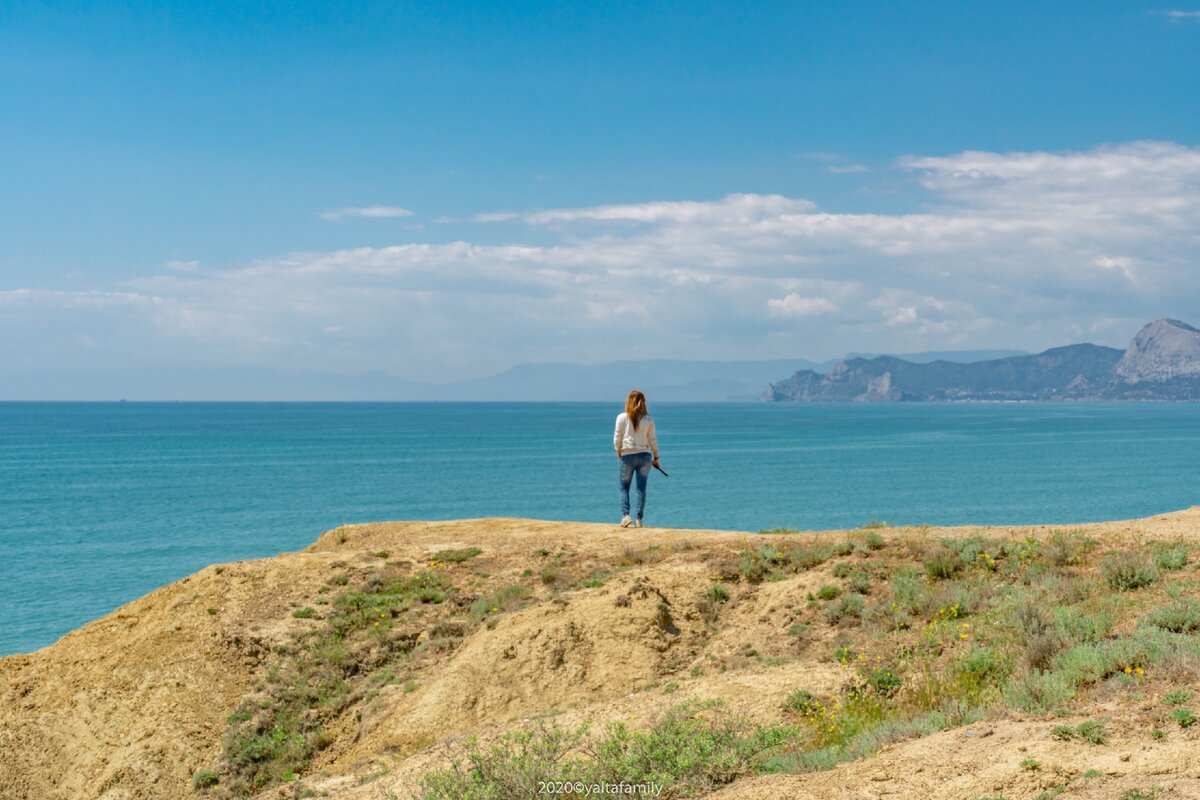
x,y
801,702
204,778
1067,548
1177,697
1089,731
1184,716
884,681
788,557
1126,571
849,608
718,593
1040,692
636,556
944,564
828,592
1171,557
691,751
1182,616
1152,793
308,612
453,556
1063,733
499,601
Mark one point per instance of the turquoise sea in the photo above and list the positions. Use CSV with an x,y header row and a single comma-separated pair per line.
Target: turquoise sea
x,y
101,503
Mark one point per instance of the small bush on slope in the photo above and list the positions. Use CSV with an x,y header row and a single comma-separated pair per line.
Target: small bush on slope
x,y
693,749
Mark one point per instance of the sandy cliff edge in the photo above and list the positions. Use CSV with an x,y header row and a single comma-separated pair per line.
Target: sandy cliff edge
x,y
131,706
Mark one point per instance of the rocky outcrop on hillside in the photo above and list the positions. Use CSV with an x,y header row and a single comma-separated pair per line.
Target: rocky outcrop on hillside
x,y
1161,364
1162,351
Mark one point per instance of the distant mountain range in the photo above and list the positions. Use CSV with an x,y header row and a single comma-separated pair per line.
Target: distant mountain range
x,y
669,380
1162,363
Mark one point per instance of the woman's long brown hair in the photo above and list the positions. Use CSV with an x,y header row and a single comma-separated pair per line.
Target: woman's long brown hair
x,y
635,407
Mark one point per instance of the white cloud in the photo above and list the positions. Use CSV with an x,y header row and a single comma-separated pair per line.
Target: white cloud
x,y
182,266
496,216
367,212
795,305
48,299
732,209
1123,265
1015,249
1180,15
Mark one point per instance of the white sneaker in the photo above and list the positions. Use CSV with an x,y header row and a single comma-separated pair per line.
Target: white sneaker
x,y
637,523
625,521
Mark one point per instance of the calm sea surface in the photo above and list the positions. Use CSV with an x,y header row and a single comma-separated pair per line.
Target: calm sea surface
x,y
100,503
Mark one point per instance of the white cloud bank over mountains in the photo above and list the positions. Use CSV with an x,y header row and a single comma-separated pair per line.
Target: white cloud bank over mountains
x,y
1004,250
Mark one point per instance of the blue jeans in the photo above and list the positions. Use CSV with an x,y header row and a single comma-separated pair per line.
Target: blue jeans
x,y
639,464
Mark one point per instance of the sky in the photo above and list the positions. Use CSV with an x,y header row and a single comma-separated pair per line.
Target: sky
x,y
443,190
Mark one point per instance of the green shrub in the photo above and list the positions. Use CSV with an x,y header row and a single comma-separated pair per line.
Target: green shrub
x,y
1091,732
718,593
884,681
1031,764
204,778
1177,697
848,607
828,592
1066,548
1063,732
456,556
1128,571
859,583
984,665
308,612
1040,692
499,601
1184,717
1171,557
943,565
875,541
801,701
1179,617
1083,625
1153,793
691,751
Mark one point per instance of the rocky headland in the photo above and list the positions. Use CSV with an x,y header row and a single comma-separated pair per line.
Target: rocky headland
x,y
1161,364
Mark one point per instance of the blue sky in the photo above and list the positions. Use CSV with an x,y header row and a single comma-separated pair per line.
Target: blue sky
x,y
186,182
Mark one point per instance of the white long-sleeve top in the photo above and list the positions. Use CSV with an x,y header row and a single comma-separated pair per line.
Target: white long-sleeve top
x,y
627,440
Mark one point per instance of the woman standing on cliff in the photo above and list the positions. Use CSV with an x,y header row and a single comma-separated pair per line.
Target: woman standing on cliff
x,y
637,451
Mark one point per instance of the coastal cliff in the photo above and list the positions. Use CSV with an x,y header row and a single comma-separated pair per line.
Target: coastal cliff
x,y
1162,363
385,659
